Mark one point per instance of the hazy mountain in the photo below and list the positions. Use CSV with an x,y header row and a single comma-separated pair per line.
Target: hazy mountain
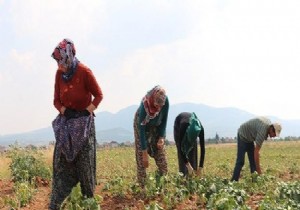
x,y
116,134
37,137
119,126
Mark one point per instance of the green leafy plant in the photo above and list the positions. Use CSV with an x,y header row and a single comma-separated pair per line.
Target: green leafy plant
x,y
290,191
24,192
154,206
27,165
116,186
76,201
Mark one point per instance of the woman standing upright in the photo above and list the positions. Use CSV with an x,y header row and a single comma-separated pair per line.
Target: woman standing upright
x,y
150,123
76,95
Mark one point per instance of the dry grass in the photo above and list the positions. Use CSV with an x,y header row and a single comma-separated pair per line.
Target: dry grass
x,y
4,167
276,157
48,155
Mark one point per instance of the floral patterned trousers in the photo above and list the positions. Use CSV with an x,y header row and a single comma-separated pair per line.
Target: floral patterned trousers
x,y
159,155
66,174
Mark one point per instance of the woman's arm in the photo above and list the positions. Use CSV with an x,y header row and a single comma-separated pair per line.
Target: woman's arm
x,y
163,124
57,102
202,147
142,128
94,89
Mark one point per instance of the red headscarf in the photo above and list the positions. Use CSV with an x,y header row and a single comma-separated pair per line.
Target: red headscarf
x,y
153,101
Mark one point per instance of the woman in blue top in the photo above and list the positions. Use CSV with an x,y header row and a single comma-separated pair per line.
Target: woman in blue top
x,y
150,123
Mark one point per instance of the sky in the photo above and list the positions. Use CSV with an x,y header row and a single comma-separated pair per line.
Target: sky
x,y
221,53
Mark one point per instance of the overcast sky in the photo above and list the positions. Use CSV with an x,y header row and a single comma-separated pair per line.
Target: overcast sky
x,y
242,54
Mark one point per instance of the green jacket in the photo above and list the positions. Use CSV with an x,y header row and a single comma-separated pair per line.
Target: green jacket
x,y
191,134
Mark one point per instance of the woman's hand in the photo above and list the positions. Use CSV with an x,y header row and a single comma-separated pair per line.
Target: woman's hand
x,y
62,110
145,159
189,168
199,171
91,108
160,143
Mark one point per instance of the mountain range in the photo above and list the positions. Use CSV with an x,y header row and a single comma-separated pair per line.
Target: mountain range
x,y
119,126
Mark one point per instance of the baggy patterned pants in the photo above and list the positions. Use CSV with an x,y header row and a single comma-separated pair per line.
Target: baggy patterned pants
x,y
67,174
159,156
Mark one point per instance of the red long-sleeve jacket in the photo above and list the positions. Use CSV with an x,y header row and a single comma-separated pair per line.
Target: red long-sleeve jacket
x,y
77,93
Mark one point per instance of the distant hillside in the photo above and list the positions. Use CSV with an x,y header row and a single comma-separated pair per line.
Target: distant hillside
x,y
223,121
119,126
37,137
116,134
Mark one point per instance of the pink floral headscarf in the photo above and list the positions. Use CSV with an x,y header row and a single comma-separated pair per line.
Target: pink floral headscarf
x,y
156,95
64,53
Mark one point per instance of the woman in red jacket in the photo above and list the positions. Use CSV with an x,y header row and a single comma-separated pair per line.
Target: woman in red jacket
x,y
77,94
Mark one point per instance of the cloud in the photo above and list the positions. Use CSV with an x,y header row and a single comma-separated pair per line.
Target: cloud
x,y
54,20
26,92
17,66
24,60
221,53
235,55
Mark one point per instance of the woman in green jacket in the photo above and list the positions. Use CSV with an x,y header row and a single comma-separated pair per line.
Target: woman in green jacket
x,y
187,128
150,123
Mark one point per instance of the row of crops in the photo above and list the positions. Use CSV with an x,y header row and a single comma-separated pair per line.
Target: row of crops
x,y
277,188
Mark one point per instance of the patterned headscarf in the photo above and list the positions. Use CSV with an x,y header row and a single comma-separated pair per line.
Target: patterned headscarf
x,y
64,53
156,95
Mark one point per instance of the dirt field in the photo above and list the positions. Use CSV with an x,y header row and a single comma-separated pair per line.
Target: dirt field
x,y
280,159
